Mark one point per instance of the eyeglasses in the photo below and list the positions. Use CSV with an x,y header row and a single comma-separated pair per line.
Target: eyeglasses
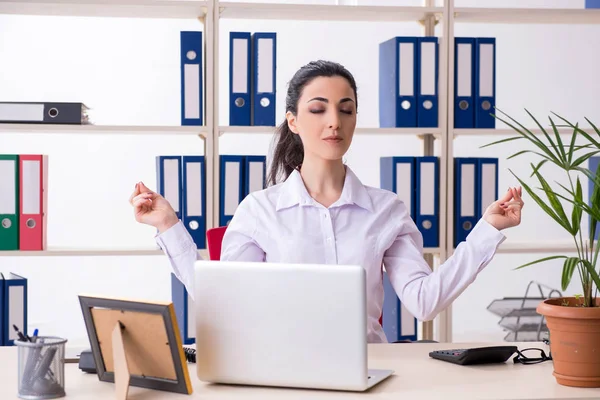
x,y
531,356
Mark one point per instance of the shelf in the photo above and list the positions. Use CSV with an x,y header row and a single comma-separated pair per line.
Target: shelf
x,y
313,12
103,129
509,132
358,131
569,16
432,250
107,8
537,247
91,252
398,131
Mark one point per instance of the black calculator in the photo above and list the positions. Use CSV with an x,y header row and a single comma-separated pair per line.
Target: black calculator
x,y
475,355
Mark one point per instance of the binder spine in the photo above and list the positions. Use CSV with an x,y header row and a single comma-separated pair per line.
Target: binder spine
x,y
179,296
264,71
194,198
191,78
427,85
240,111
485,83
9,192
464,82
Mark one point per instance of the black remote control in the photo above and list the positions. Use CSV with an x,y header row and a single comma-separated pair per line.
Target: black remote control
x,y
476,355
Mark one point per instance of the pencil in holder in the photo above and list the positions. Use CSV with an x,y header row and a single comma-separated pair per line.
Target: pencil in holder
x,y
41,368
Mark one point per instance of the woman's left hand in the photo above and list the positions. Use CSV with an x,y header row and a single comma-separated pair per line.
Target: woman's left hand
x,y
505,212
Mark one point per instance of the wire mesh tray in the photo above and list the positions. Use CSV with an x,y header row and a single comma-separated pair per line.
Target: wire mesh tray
x,y
526,336
508,305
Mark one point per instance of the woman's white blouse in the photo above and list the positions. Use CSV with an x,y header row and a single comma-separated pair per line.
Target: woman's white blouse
x,y
366,226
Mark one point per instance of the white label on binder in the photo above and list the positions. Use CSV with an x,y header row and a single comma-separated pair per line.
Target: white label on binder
x,y
427,185
467,191
192,90
193,189
171,182
265,66
240,66
16,310
232,187
31,187
404,184
255,177
488,185
406,59
8,187
407,322
21,112
486,69
428,68
464,70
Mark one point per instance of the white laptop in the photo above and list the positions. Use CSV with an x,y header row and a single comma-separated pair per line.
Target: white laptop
x,y
285,325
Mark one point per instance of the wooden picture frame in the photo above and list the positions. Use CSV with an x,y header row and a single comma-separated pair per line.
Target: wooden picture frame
x,y
136,342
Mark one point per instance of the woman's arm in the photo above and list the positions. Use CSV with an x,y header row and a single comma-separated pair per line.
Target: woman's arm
x,y
425,292
238,244
182,253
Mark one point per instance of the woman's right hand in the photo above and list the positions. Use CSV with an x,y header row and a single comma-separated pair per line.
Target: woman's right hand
x,y
151,208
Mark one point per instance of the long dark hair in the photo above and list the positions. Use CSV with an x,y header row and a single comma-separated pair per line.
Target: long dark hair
x,y
289,151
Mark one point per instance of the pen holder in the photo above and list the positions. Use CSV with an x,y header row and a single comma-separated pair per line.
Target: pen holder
x,y
41,368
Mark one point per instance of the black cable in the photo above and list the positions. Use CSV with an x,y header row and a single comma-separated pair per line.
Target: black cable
x,y
190,354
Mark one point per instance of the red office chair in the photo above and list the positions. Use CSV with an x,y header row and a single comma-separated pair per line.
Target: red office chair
x,y
214,238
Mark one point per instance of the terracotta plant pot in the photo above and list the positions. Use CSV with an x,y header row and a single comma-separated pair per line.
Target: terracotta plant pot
x,y
574,341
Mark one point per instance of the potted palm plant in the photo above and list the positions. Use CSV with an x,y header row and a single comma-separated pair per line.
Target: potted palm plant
x,y
573,322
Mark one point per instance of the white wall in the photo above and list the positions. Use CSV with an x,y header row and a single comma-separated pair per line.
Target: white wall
x,y
128,71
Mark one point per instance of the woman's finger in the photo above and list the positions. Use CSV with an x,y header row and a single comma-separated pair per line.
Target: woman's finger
x,y
143,188
517,195
515,208
141,203
507,196
136,192
142,196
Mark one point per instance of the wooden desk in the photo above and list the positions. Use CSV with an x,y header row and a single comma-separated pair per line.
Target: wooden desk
x,y
417,377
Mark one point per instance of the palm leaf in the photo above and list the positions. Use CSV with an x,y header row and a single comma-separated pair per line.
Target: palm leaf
x,y
558,153
554,202
566,189
584,158
502,141
527,151
568,269
572,146
592,271
577,212
540,261
581,131
541,203
537,167
559,142
595,178
594,212
584,146
596,130
531,137
595,205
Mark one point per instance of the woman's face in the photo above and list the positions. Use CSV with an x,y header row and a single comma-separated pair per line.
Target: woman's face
x,y
326,117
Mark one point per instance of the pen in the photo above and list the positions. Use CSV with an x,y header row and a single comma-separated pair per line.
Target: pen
x,y
34,337
20,334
